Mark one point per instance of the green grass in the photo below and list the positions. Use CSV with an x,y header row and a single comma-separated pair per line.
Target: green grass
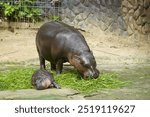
x,y
20,78
72,79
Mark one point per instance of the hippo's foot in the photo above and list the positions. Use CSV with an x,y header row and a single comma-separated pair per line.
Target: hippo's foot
x,y
53,67
59,66
56,85
58,72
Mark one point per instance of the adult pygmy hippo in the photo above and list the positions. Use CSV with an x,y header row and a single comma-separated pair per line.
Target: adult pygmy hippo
x,y
58,43
42,79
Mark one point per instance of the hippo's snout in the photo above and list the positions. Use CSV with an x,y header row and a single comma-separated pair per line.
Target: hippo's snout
x,y
95,74
91,73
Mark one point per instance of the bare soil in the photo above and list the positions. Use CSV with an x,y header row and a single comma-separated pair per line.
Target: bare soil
x,y
110,51
19,45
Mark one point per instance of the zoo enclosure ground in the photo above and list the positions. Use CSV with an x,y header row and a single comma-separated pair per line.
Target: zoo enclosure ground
x,y
112,53
19,46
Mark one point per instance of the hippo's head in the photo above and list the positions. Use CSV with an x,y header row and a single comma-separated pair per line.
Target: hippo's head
x,y
42,83
85,63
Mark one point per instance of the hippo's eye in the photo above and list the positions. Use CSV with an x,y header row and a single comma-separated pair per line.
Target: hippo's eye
x,y
87,65
81,62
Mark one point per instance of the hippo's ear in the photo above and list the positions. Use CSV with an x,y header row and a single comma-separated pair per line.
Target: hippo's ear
x,y
91,51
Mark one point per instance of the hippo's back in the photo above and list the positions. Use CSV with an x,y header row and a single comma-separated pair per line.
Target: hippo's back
x,y
54,28
55,40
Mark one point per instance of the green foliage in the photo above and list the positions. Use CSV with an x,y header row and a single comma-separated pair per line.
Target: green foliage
x,y
16,79
20,78
55,18
72,79
21,11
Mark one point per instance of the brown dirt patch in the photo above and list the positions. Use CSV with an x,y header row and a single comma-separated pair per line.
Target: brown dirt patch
x,y
19,45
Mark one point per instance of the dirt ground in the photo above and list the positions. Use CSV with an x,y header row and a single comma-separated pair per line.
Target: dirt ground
x,y
19,46
112,53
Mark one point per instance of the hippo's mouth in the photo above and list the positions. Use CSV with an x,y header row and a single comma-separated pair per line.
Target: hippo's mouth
x,y
91,74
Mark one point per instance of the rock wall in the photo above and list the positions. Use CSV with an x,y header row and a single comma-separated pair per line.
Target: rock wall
x,y
122,17
136,14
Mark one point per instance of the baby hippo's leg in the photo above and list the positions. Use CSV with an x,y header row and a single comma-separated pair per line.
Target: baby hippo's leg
x,y
56,85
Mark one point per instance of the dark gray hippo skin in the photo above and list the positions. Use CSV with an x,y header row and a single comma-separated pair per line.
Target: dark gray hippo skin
x,y
42,79
58,43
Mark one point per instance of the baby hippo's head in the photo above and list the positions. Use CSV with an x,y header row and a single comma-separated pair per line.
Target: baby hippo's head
x,y
43,83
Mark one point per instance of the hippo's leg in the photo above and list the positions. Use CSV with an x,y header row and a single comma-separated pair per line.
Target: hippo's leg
x,y
56,85
42,62
53,67
59,66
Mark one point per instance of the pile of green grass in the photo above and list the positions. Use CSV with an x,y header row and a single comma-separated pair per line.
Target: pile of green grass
x,y
72,79
20,78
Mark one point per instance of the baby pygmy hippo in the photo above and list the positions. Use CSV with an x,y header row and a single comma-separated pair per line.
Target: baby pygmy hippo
x,y
42,79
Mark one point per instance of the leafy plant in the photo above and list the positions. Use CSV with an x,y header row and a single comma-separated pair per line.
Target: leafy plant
x,y
56,18
21,10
